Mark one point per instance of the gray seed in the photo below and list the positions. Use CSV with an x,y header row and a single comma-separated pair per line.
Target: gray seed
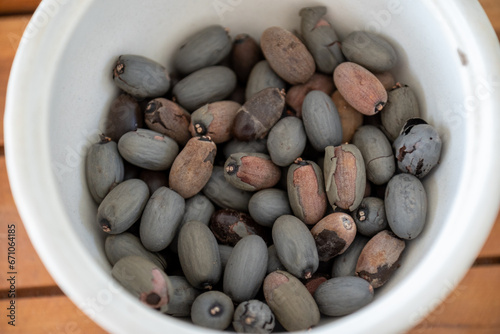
x,y
148,149
377,153
198,208
141,77
267,205
223,194
225,252
182,297
103,169
199,255
245,269
402,104
204,48
261,77
343,295
273,261
370,51
295,246
123,206
286,141
207,85
236,146
213,310
345,263
161,219
370,216
321,120
253,316
406,206
118,246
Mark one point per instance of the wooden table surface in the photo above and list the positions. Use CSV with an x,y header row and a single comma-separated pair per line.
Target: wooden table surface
x,y
41,307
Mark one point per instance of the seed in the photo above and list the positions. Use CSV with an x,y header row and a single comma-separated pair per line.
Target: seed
x,y
214,120
237,146
273,261
386,79
168,118
345,263
350,118
253,316
370,216
225,252
296,94
267,205
124,115
213,310
261,77
333,235
402,104
118,246
198,208
369,50
182,297
154,179
245,54
251,171
286,141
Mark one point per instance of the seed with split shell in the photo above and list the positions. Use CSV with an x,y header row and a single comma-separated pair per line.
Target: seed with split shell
x,y
140,76
245,269
267,205
204,48
124,115
333,235
377,154
237,146
168,118
286,141
402,104
253,316
369,50
343,295
287,55
345,176
161,219
193,166
118,246
230,226
345,263
251,171
380,258
123,206
182,297
295,246
103,168
295,95
144,280
321,39
214,120
350,118
212,309
406,206
210,84
148,149
245,54
361,89
223,194
291,303
370,216
306,191
261,77
199,255
256,117
321,120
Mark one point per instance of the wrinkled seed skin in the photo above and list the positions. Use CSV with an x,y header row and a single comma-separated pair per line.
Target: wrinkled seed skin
x,y
210,84
286,141
223,194
253,316
306,192
246,268
251,171
182,297
244,56
370,216
204,48
104,169
333,235
273,261
193,166
360,88
256,117
214,120
124,115
345,263
291,303
230,226
418,150
296,94
369,50
168,118
402,104
287,55
237,146
148,149
161,219
343,295
321,120
350,118
123,206
199,255
118,246
295,246
267,205
377,154
380,258
262,77
406,206
212,309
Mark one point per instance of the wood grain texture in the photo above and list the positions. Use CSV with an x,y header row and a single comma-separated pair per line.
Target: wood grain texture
x,y
18,6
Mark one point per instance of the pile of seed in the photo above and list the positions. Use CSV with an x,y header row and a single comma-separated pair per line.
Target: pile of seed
x,y
278,180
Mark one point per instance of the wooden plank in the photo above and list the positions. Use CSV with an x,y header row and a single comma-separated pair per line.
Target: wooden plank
x,y
30,271
47,315
18,6
492,9
491,248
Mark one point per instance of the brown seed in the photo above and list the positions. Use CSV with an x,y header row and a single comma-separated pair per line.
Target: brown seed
x,y
230,226
287,55
168,118
251,171
350,118
154,179
245,54
360,88
315,281
380,258
193,166
333,235
214,120
386,79
124,115
296,95
257,116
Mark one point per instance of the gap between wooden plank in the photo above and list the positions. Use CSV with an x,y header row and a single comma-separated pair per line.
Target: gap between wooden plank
x,y
44,291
